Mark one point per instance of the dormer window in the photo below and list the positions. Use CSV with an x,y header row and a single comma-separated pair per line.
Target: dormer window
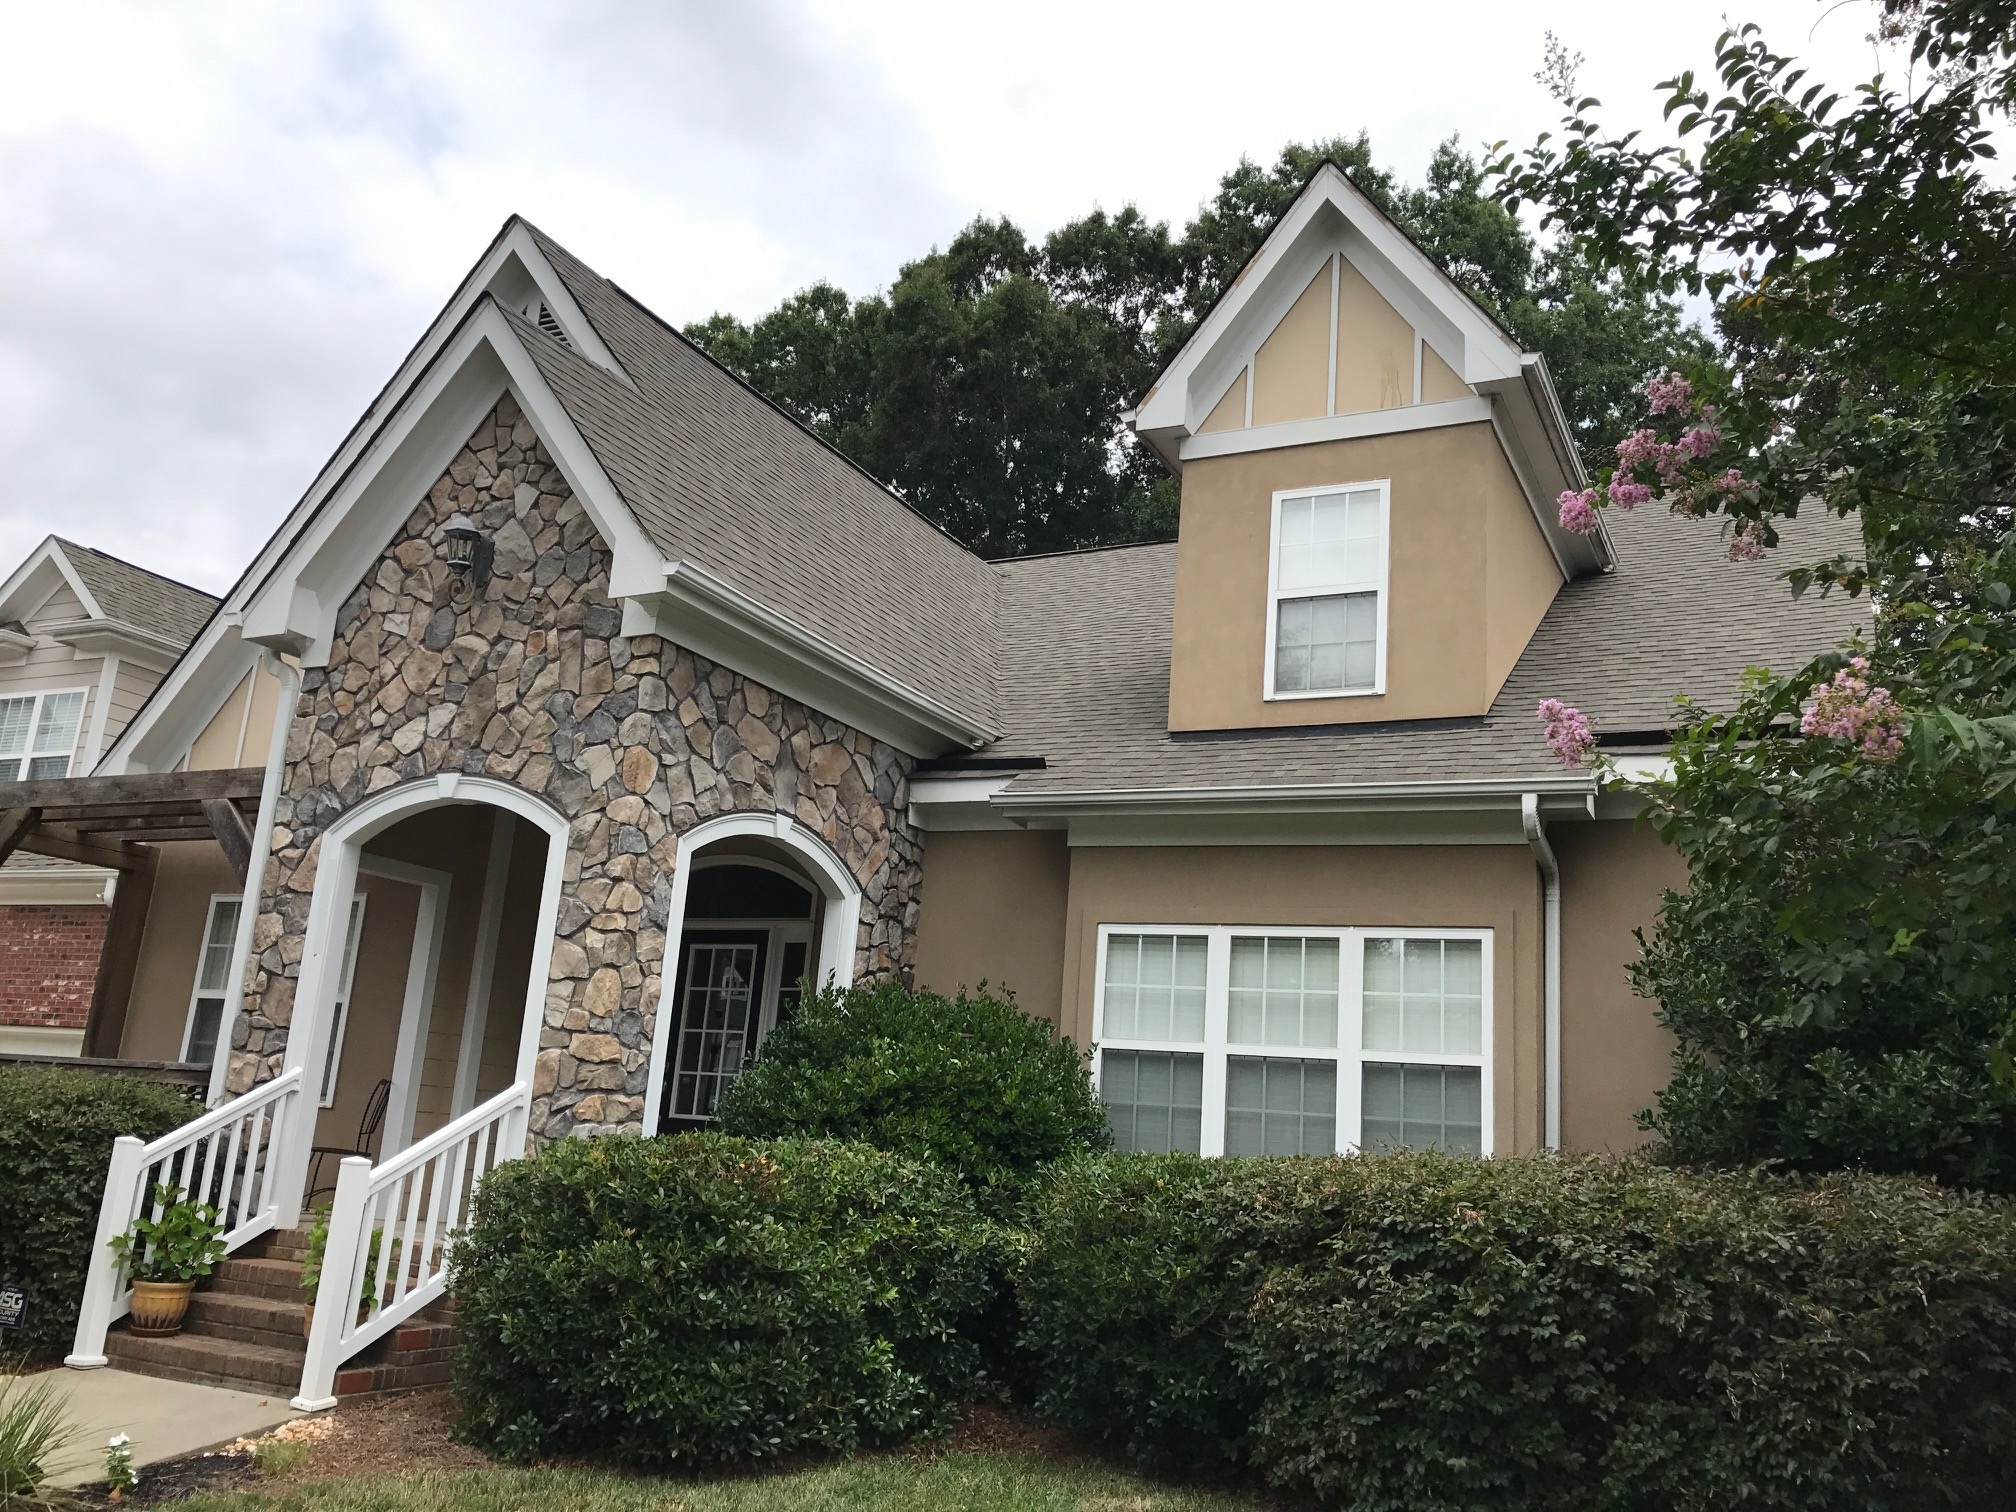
x,y
38,735
1326,592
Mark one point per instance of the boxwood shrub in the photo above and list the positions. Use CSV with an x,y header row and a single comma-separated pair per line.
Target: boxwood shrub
x,y
700,1299
56,1133
971,1082
1423,1332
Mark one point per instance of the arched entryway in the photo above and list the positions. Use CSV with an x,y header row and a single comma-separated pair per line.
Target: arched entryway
x,y
424,967
760,905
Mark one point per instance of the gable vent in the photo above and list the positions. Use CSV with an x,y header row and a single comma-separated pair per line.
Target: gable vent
x,y
541,314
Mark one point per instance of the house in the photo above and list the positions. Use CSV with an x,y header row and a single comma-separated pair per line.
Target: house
x,y
610,704
84,637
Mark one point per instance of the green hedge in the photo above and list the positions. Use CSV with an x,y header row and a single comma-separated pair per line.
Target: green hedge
x,y
700,1299
56,1133
1426,1332
971,1082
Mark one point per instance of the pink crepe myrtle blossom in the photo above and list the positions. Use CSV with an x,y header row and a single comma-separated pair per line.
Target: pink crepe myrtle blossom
x,y
1671,393
1747,543
1638,448
1849,709
1578,510
1627,494
1567,732
1700,441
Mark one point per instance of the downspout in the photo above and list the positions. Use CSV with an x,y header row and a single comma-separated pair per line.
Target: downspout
x,y
255,869
1550,963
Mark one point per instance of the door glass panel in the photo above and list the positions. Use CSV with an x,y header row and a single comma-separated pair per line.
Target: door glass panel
x,y
790,987
716,1020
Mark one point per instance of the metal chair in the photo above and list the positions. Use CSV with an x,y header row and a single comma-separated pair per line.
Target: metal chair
x,y
368,1130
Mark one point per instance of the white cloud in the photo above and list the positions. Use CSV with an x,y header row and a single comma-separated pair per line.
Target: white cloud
x,y
221,225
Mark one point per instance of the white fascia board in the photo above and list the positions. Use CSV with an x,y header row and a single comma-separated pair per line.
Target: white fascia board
x,y
49,884
697,610
1571,791
128,642
15,646
960,802
22,594
294,608
1386,422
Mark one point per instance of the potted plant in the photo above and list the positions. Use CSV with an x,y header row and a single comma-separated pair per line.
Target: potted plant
x,y
311,1267
166,1256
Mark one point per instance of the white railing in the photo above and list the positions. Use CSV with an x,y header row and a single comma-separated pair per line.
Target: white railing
x,y
390,1227
234,1157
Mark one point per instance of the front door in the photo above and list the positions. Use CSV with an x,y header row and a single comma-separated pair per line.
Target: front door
x,y
720,996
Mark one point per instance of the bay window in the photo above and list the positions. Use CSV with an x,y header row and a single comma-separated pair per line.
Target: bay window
x,y
1304,1041
1326,592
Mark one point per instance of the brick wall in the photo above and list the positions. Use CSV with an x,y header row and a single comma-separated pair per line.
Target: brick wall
x,y
49,962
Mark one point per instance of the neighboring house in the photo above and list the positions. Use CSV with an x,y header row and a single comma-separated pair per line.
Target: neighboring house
x,y
84,637
613,703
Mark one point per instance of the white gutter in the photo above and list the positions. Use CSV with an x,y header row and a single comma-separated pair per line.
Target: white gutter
x,y
255,868
1550,962
1482,792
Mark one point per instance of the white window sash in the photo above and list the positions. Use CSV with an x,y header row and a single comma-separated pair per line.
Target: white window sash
x,y
1349,1054
1379,586
198,994
339,1017
30,751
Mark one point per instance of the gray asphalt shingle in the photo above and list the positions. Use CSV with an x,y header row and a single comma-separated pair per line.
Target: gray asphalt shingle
x,y
140,597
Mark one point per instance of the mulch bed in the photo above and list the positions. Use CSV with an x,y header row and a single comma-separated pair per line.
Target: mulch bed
x,y
171,1480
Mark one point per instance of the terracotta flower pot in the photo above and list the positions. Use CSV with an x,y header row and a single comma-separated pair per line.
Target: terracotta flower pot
x,y
158,1307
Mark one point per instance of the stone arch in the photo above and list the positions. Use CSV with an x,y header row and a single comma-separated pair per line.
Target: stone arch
x,y
839,934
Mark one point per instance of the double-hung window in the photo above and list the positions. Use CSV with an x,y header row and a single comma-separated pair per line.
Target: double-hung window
x,y
213,969
38,734
1326,592
1304,1041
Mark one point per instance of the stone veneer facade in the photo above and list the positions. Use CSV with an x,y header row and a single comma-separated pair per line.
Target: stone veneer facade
x,y
632,741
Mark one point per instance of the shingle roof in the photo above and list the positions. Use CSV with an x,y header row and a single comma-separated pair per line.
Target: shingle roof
x,y
1085,666
719,476
140,597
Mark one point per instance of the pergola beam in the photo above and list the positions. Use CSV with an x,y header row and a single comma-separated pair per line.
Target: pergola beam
x,y
135,787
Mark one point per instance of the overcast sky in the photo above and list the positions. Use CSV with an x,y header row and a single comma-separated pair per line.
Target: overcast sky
x,y
221,225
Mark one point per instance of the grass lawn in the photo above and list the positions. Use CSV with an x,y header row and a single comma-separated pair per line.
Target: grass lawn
x,y
957,1481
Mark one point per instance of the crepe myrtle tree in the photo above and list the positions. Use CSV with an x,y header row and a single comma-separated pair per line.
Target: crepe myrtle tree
x,y
1840,973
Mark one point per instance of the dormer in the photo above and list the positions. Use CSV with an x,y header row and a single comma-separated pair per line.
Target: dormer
x,y
1369,471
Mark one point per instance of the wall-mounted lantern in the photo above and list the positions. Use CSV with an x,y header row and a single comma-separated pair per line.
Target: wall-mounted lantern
x,y
469,555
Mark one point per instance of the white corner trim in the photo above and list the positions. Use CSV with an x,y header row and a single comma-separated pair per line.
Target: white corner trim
x,y
701,612
1386,422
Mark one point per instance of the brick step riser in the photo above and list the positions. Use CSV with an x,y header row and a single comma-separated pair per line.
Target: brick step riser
x,y
183,1362
291,1339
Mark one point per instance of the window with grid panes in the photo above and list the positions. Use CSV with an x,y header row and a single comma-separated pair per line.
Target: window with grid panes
x,y
38,735
1327,583
1293,1042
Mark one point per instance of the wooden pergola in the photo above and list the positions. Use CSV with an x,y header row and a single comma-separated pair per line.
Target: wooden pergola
x,y
116,822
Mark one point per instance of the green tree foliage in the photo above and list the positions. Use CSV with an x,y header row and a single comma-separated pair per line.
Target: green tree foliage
x,y
987,383
1841,973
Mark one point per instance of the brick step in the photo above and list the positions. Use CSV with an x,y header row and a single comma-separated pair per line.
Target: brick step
x,y
209,1361
277,1279
279,1244
247,1319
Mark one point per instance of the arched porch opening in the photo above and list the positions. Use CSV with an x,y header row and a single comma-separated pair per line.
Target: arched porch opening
x,y
423,975
760,905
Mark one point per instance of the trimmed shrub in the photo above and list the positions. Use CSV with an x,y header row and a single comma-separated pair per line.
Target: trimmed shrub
x,y
1423,1332
699,1299
971,1082
56,1133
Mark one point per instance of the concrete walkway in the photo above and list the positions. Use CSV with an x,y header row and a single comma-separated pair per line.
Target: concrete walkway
x,y
163,1418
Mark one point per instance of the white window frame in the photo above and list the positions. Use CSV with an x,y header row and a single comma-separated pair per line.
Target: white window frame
x,y
196,992
28,752
339,1012
1275,596
1349,1054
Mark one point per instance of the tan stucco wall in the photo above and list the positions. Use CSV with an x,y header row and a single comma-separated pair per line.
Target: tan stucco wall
x,y
1291,371
1438,379
187,874
1493,887
1615,1055
993,909
1229,413
231,739
1464,588
1375,348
